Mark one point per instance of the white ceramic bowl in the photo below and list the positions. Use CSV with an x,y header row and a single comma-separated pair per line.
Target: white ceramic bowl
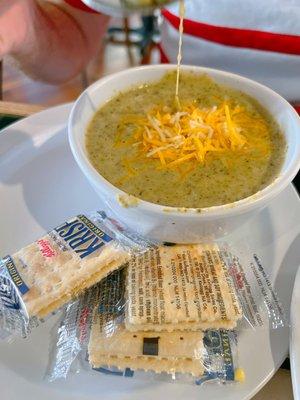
x,y
173,225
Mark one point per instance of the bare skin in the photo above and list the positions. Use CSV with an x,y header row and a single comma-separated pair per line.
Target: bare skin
x,y
50,41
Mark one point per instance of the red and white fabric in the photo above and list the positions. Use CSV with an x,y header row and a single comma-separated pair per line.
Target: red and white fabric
x,y
258,39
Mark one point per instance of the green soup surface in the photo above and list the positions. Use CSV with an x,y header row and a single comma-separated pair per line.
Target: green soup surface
x,y
212,183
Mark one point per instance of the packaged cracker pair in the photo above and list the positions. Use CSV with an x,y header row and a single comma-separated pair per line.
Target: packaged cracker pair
x,y
41,277
201,286
167,312
173,294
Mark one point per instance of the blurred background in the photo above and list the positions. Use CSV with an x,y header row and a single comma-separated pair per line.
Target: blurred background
x,y
129,42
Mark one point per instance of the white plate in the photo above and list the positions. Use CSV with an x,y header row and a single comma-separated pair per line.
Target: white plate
x,y
295,336
40,185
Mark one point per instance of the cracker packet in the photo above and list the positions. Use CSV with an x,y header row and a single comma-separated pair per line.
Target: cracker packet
x,y
182,287
198,287
92,335
172,313
44,275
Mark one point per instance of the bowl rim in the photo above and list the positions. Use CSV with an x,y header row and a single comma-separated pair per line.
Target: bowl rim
x,y
259,198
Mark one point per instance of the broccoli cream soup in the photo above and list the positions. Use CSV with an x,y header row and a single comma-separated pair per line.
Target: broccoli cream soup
x,y
218,146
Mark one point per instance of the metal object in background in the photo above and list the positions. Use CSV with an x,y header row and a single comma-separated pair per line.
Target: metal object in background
x,y
121,8
144,38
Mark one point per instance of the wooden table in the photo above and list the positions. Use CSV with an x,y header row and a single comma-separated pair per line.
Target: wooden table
x,y
280,386
19,109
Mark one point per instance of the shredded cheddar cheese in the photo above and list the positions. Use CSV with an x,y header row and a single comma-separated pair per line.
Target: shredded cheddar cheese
x,y
192,134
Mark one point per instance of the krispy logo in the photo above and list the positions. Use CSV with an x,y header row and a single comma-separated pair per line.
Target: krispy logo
x,y
237,276
82,236
46,248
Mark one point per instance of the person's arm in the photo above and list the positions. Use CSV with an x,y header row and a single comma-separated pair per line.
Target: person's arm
x,y
51,41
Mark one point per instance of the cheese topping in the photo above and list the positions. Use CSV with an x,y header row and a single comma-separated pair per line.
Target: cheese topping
x,y
193,134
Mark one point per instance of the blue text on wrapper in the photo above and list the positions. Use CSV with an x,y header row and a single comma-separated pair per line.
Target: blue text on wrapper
x,y
15,276
82,235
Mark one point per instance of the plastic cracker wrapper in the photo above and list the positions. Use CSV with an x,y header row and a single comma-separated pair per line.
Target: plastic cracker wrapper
x,y
203,286
41,277
183,287
165,315
93,335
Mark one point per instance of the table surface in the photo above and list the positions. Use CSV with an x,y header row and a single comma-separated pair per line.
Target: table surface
x,y
18,109
279,387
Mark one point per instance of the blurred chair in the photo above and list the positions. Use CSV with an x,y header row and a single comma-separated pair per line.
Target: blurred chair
x,y
145,38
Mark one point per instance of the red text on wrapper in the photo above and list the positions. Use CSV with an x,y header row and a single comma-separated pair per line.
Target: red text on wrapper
x,y
237,276
83,324
46,248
